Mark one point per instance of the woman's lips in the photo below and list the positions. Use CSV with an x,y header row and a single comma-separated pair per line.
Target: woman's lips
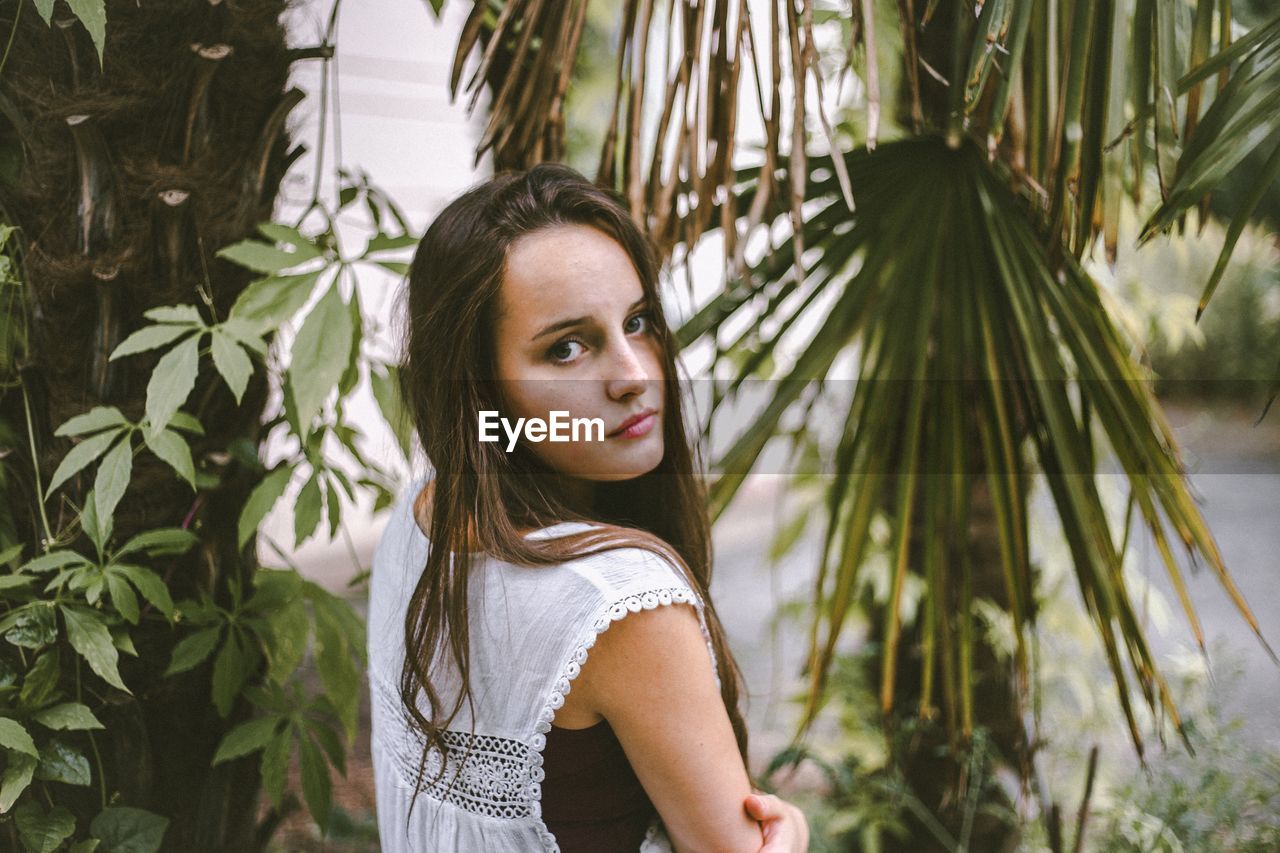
x,y
638,428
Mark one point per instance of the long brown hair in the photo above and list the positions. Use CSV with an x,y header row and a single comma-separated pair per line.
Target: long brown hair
x,y
447,376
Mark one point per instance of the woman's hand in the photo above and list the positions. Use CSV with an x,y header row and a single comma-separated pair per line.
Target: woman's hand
x,y
784,826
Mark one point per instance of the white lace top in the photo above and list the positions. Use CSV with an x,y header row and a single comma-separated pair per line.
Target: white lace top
x,y
530,632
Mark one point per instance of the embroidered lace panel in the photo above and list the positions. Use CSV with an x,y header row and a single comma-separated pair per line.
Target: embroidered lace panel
x,y
493,780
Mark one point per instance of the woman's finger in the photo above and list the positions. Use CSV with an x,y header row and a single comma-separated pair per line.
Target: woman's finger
x,y
764,806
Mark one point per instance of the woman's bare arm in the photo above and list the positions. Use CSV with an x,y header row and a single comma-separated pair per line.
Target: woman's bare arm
x,y
650,675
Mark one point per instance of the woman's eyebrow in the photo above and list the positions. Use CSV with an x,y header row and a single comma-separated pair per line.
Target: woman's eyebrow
x,y
575,321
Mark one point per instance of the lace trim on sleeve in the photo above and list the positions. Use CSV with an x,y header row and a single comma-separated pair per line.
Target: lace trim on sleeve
x,y
633,603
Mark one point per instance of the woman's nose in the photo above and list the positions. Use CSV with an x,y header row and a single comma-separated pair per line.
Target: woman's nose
x,y
629,370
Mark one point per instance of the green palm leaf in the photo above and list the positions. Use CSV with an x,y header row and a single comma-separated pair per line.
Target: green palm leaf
x,y
974,357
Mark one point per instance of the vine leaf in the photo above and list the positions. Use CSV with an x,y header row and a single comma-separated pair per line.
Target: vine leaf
x,y
261,499
127,828
68,716
171,382
93,14
91,639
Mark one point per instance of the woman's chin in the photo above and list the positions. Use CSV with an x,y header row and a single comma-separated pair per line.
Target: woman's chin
x,y
627,465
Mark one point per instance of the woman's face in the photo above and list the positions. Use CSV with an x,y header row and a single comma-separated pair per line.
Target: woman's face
x,y
574,334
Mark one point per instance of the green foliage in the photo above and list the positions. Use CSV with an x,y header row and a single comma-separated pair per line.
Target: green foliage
x,y
976,353
1227,797
867,800
1233,350
182,329
68,611
121,829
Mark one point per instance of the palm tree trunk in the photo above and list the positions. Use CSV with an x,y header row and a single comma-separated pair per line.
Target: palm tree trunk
x,y
940,767
129,179
936,772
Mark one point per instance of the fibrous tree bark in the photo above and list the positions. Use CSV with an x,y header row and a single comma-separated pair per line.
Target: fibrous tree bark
x,y
125,178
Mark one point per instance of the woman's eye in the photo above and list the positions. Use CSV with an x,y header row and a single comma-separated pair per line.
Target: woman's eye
x,y
645,316
563,350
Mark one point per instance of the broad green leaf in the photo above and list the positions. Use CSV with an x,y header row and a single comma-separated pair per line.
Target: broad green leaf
x,y
8,582
191,651
246,738
124,829
351,373
230,672
274,588
315,782
232,363
186,422
161,541
41,682
319,355
92,586
261,257
123,597
33,627
41,832
329,741
275,764
386,392
291,410
92,640
173,449
79,456
268,302
69,716
306,512
14,736
97,418
112,480
245,332
338,670
333,506
150,584
13,552
149,338
186,315
261,500
303,248
15,778
290,628
54,560
61,762
171,382
340,613
93,14
121,639
97,529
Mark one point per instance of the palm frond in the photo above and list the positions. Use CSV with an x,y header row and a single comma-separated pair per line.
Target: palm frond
x,y
976,353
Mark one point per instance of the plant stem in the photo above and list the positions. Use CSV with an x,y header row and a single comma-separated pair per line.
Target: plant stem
x,y
35,465
17,16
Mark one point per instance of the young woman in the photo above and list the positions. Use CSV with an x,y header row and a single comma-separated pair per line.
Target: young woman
x,y
533,687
